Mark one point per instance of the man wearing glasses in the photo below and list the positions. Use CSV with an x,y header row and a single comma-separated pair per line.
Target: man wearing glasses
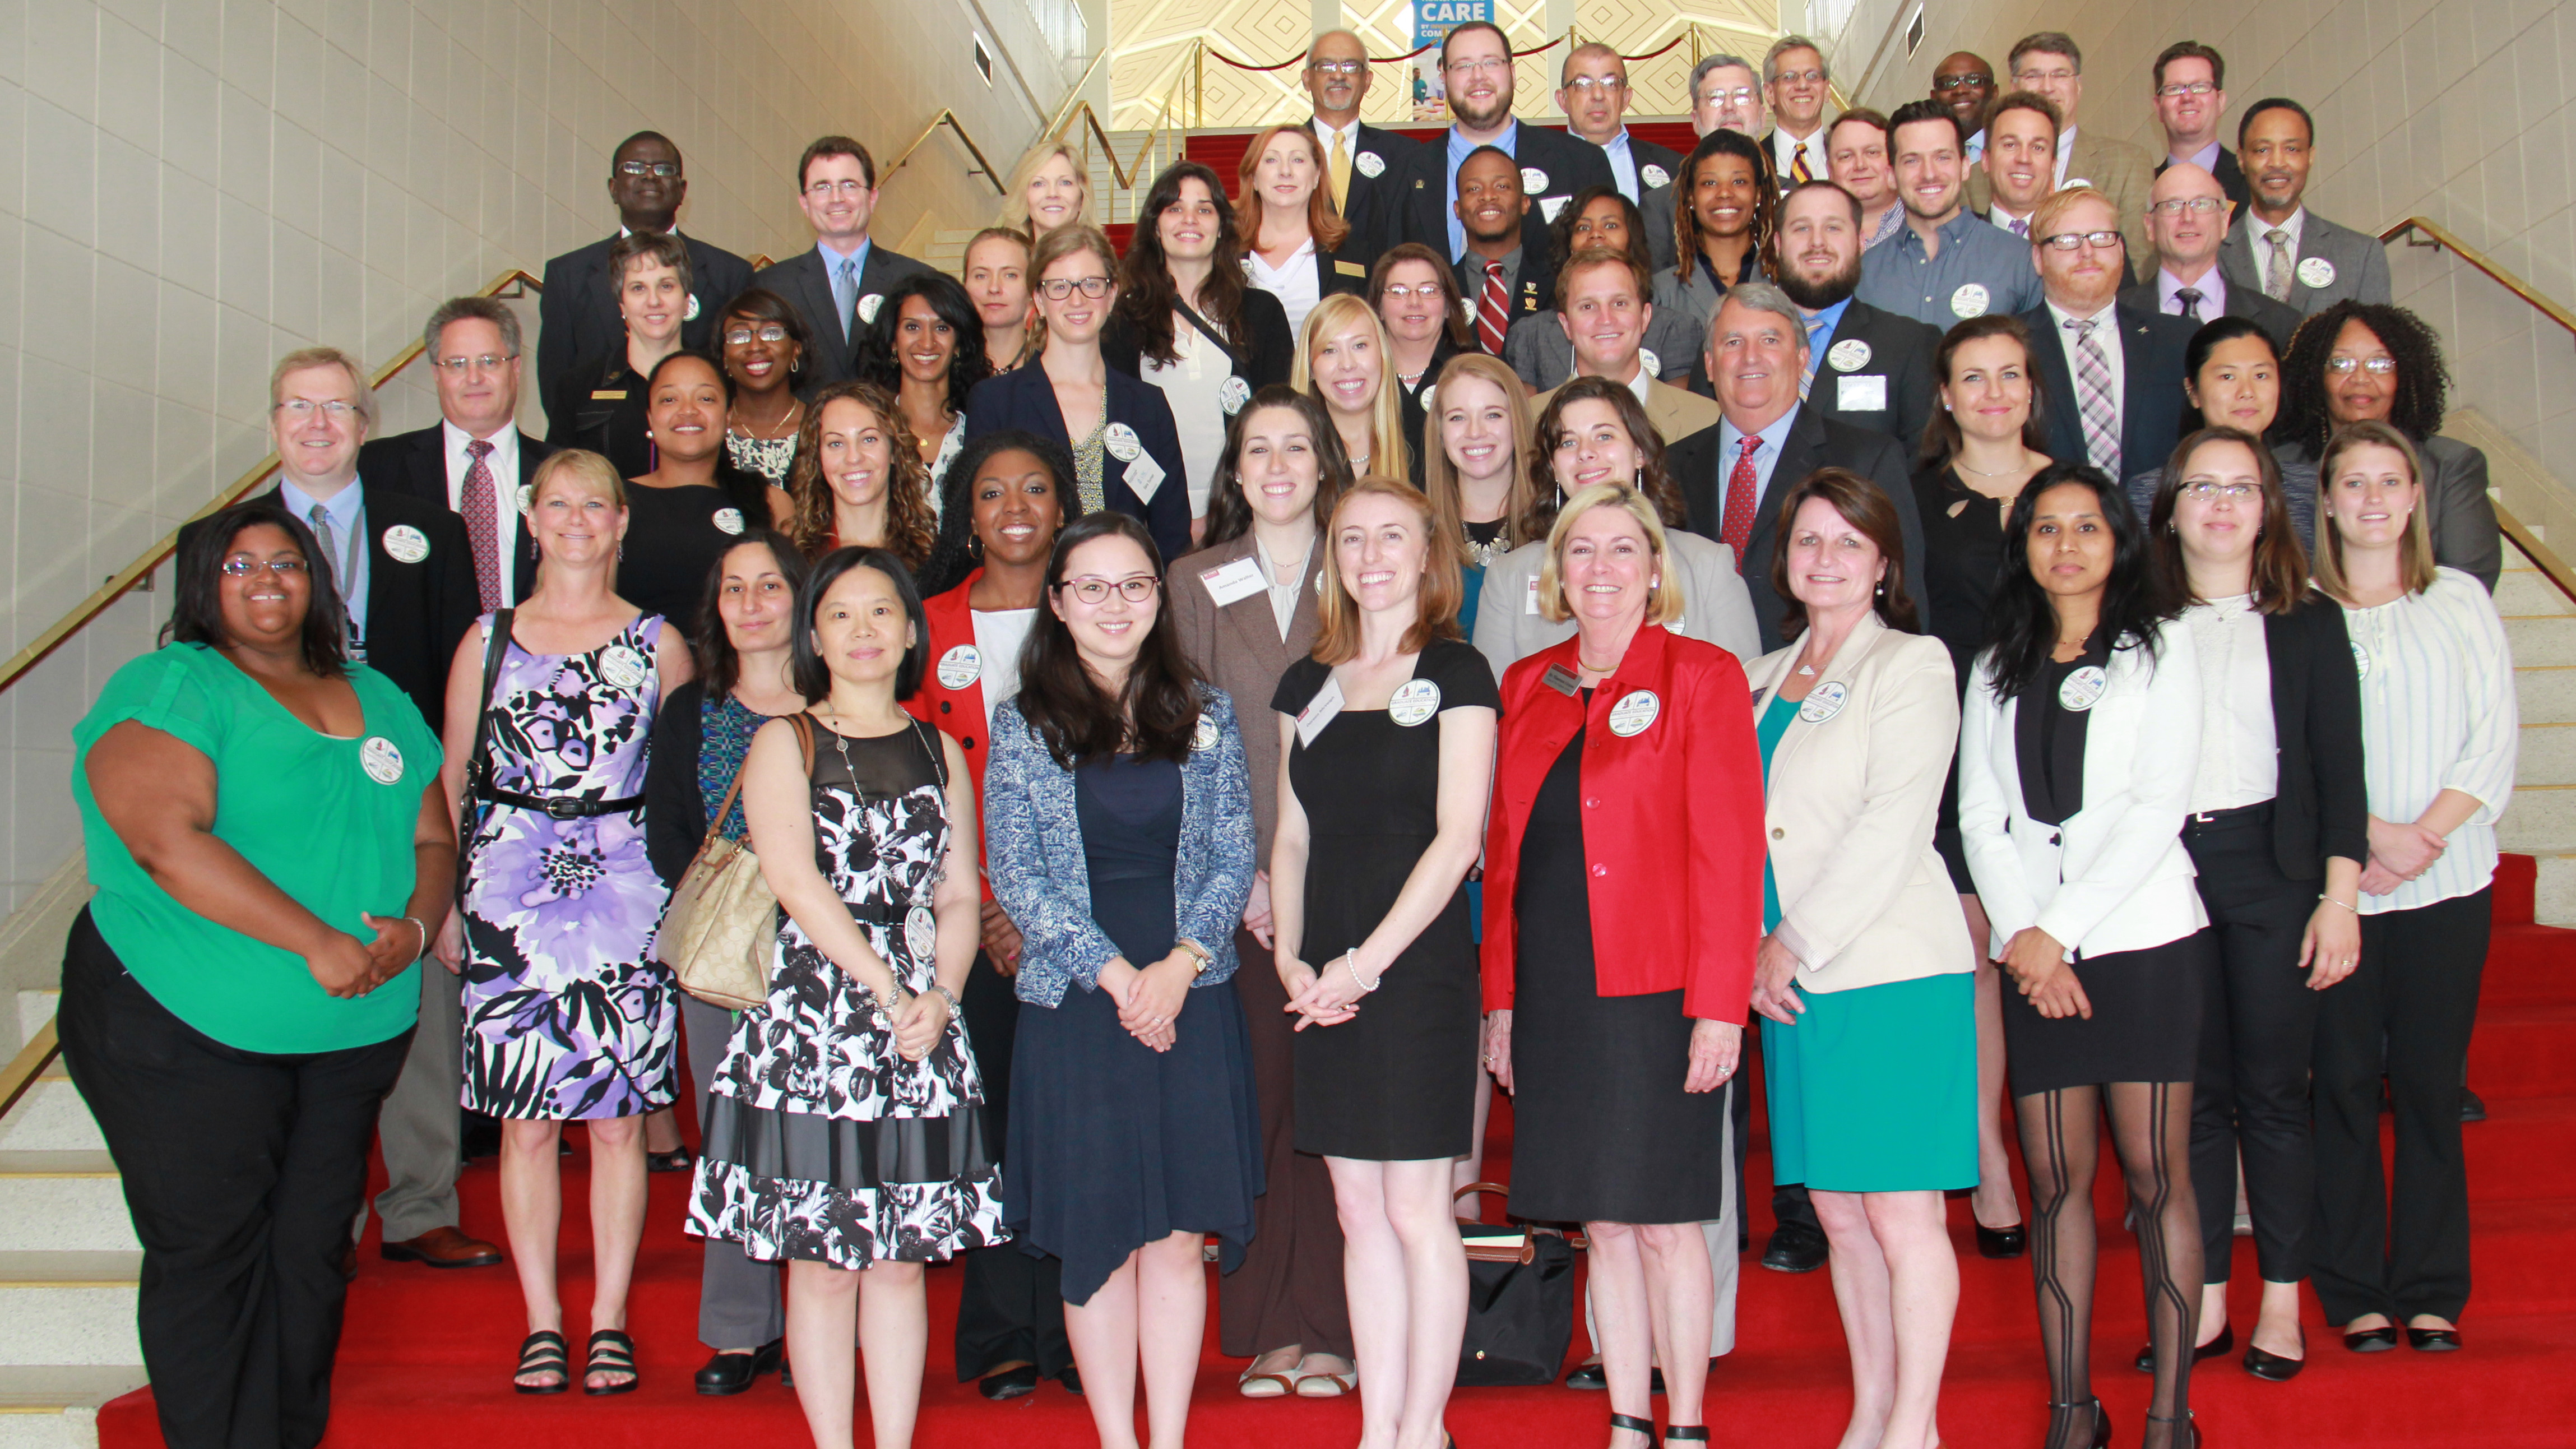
x,y
1796,80
1965,83
2190,95
1362,164
2187,218
1592,90
1476,62
577,316
2112,373
837,287
2285,251
2049,64
1724,97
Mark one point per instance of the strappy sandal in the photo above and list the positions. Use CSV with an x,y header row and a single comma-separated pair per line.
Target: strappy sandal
x,y
1633,1425
1327,1385
610,1351
542,1352
2192,1436
1265,1386
1686,1434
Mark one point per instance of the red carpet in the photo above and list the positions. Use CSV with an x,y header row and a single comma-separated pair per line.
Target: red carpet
x,y
427,1357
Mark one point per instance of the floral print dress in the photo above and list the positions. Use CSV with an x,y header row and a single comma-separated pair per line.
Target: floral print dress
x,y
567,1015
822,1142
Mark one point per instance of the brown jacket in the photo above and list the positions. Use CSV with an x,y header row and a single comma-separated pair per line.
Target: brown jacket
x,y
1239,650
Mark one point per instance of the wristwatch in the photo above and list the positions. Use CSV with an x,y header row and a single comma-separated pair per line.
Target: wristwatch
x,y
1200,958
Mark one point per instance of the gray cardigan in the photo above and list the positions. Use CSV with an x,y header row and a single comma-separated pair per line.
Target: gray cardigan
x,y
1033,852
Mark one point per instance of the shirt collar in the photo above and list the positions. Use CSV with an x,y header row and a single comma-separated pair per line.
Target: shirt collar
x,y
1828,318
2060,316
2212,289
832,258
504,440
342,506
1325,131
1508,143
1730,437
2206,158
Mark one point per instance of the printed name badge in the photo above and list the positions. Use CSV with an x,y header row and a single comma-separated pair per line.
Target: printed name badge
x,y
1371,164
1319,711
406,544
1549,206
1415,700
692,314
2360,661
1654,176
1123,444
1226,583
622,667
2316,272
2083,689
1824,704
1647,359
960,667
527,496
921,933
1428,390
1561,679
1232,394
1866,393
868,306
728,520
1849,355
1633,713
1969,301
1204,735
1529,597
381,761
1533,181
1144,475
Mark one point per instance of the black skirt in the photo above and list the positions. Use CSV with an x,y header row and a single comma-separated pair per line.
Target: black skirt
x,y
2145,1025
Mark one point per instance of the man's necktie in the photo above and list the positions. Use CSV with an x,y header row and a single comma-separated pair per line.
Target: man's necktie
x,y
1735,527
2276,276
2093,399
1815,354
2189,297
320,518
1800,173
482,522
1493,310
1338,165
845,293
2021,227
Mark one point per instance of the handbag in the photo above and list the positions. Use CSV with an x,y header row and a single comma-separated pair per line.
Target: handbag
x,y
720,933
1520,1303
470,804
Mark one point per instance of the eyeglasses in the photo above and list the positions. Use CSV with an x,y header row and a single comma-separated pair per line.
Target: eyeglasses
x,y
1799,77
1092,589
2028,79
1596,85
743,336
1735,97
664,169
338,410
242,566
2379,366
1059,288
2210,490
2067,241
2176,206
1961,80
460,366
1428,292
1338,67
825,190
1470,67
2180,89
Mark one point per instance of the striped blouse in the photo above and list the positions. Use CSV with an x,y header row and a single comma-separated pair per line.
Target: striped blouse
x,y
2437,713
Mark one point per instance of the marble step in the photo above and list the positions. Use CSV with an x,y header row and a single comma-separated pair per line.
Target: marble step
x,y
62,1202
69,1308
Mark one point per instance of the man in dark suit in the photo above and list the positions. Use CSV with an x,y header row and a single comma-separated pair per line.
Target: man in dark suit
x,y
1502,278
2112,374
2186,219
1477,63
1362,163
1870,369
837,287
577,317
2190,96
473,345
1592,90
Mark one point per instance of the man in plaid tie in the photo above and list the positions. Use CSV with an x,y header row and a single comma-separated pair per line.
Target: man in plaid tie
x,y
1499,277
2113,373
1796,80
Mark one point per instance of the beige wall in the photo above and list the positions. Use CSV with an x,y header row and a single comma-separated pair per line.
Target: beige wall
x,y
189,188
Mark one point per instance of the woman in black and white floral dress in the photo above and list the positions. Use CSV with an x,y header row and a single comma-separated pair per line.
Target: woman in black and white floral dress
x,y
845,1129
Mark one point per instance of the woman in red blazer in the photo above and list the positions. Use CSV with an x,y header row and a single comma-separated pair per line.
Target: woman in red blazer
x,y
1623,902
1003,508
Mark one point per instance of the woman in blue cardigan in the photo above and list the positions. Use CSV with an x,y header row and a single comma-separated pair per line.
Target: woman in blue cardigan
x,y
1119,836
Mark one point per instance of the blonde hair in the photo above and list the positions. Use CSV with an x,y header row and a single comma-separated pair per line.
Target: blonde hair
x,y
2053,207
1323,223
1388,457
584,467
2415,566
1663,600
1440,476
1337,639
363,397
1015,205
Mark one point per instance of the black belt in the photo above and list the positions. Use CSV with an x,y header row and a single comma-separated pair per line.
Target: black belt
x,y
561,807
2243,817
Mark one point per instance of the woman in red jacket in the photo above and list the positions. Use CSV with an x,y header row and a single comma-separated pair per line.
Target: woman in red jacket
x,y
1623,902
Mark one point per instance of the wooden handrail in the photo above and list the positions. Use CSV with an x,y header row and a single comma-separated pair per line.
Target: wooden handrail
x,y
2437,235
948,118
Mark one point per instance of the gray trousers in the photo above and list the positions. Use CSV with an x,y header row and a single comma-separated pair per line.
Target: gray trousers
x,y
740,1302
421,1121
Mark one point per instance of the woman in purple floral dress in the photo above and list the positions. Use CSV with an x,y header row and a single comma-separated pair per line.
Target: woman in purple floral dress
x,y
567,1015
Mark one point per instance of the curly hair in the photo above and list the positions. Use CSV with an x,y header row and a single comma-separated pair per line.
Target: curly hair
x,y
958,551
911,527
1766,198
1146,292
2423,383
1653,481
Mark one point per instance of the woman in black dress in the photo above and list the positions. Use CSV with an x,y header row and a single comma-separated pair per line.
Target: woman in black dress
x,y
1379,821
694,505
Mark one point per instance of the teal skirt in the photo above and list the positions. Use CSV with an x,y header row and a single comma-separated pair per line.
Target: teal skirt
x,y
1875,1090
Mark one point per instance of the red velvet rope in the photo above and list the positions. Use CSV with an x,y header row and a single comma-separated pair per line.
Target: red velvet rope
x,y
1300,56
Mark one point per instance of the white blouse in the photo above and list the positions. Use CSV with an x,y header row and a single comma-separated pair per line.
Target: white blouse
x,y
1194,386
2239,753
1294,283
2437,713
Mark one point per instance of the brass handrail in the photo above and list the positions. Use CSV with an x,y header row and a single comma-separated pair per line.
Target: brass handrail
x,y
151,558
2441,236
17,1078
2542,555
949,119
1073,95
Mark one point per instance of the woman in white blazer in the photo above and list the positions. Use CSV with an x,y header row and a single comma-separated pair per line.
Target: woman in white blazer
x,y
2079,738
1865,973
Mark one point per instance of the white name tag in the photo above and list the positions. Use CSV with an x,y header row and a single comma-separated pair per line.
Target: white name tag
x,y
1529,598
2316,272
406,544
1144,476
1226,583
1205,735
1549,206
2084,688
382,762
622,667
1634,712
1863,394
960,667
1319,712
1824,704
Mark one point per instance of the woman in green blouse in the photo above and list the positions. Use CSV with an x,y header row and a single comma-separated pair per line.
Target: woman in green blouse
x,y
272,857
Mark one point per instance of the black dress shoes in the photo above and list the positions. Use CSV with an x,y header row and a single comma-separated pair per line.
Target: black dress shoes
x,y
1794,1248
727,1374
680,1159
2433,1340
1010,1383
2225,1341
1071,1378
2372,1340
1592,1376
2001,1242
2473,1108
2271,1366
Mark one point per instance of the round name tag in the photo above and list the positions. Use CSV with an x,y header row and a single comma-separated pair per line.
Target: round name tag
x,y
1634,712
921,934
1232,394
406,544
1371,164
1969,301
2083,689
868,306
1415,700
1647,359
1654,176
381,761
2316,272
622,667
1849,355
1204,737
692,314
1824,703
960,667
527,497
1533,181
2360,661
728,519
1123,444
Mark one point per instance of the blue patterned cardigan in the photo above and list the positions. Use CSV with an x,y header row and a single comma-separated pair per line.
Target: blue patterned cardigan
x,y
1033,853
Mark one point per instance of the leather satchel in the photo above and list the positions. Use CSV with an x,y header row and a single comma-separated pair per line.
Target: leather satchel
x,y
720,933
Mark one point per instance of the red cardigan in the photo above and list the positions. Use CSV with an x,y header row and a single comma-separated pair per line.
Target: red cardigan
x,y
1672,822
958,713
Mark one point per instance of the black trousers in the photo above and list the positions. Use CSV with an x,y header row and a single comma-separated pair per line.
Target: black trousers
x,y
243,1171
2257,1040
2401,1249
1010,1306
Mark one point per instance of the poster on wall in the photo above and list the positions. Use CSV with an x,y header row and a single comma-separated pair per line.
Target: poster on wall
x,y
1432,22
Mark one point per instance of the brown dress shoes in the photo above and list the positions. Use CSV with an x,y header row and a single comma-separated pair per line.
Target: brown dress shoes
x,y
443,1248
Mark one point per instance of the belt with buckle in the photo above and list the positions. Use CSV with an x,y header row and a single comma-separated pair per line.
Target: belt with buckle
x,y
561,807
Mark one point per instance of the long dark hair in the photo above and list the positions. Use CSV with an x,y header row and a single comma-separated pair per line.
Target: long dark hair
x,y
2021,625
719,664
1145,290
197,605
1067,710
967,362
1654,482
2423,383
813,679
1766,199
958,550
2279,572
1229,513
1942,439
909,523
1560,232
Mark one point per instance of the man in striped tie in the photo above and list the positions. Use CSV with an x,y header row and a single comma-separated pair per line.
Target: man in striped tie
x,y
1795,79
2113,373
1501,279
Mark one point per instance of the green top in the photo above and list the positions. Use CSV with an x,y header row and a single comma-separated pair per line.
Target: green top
x,y
1767,732
329,821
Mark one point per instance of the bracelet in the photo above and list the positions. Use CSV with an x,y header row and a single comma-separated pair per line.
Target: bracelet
x,y
948,996
424,937
2356,910
1351,963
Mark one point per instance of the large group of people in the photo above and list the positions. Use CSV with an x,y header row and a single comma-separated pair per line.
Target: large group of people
x,y
1301,668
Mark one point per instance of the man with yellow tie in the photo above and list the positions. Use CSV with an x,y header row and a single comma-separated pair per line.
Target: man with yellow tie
x,y
1796,81
1361,162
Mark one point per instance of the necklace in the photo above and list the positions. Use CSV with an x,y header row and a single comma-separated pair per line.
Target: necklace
x,y
773,432
1982,473
1591,668
1808,670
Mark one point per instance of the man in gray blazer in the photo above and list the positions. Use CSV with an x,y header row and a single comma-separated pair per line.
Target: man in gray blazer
x,y
837,287
2285,251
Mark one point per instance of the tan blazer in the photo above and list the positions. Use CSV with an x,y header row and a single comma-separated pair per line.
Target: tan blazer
x,y
1848,812
2111,166
1238,649
1676,412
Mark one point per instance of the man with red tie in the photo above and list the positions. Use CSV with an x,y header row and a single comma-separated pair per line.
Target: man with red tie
x,y
1502,277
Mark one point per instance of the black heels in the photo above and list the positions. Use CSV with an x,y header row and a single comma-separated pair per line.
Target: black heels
x,y
2371,1340
2433,1340
2101,1421
1633,1425
2192,1440
1677,1434
2001,1242
2272,1367
2215,1348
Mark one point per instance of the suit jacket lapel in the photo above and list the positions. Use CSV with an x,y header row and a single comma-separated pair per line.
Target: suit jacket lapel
x,y
2066,423
1801,453
1847,657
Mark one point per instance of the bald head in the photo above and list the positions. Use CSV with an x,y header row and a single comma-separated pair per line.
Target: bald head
x,y
2187,215
1337,76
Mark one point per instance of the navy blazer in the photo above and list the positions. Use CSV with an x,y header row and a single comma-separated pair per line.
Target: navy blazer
x,y
808,288
1025,398
1374,200
577,314
1033,853
415,464
2151,400
1569,163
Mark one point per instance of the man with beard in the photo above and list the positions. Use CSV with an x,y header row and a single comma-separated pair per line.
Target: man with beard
x,y
2111,373
1593,92
1965,82
1476,61
2021,160
1868,368
2187,217
1723,98
2285,251
1362,163
1502,278
1946,266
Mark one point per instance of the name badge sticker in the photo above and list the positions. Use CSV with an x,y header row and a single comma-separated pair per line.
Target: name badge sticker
x,y
1533,181
1969,301
868,306
1849,355
1122,442
1232,394
2083,689
728,520
921,933
1824,704
1319,712
2316,272
960,667
406,544
1205,734
1864,394
1415,700
2360,661
1654,176
1226,583
622,667
1634,712
1370,164
382,762
1144,476
527,496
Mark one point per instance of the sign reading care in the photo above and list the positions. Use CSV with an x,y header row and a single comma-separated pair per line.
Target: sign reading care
x,y
1432,22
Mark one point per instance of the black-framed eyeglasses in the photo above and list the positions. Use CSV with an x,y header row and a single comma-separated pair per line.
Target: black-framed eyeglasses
x,y
664,169
242,566
2177,205
2067,241
1059,288
1093,589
